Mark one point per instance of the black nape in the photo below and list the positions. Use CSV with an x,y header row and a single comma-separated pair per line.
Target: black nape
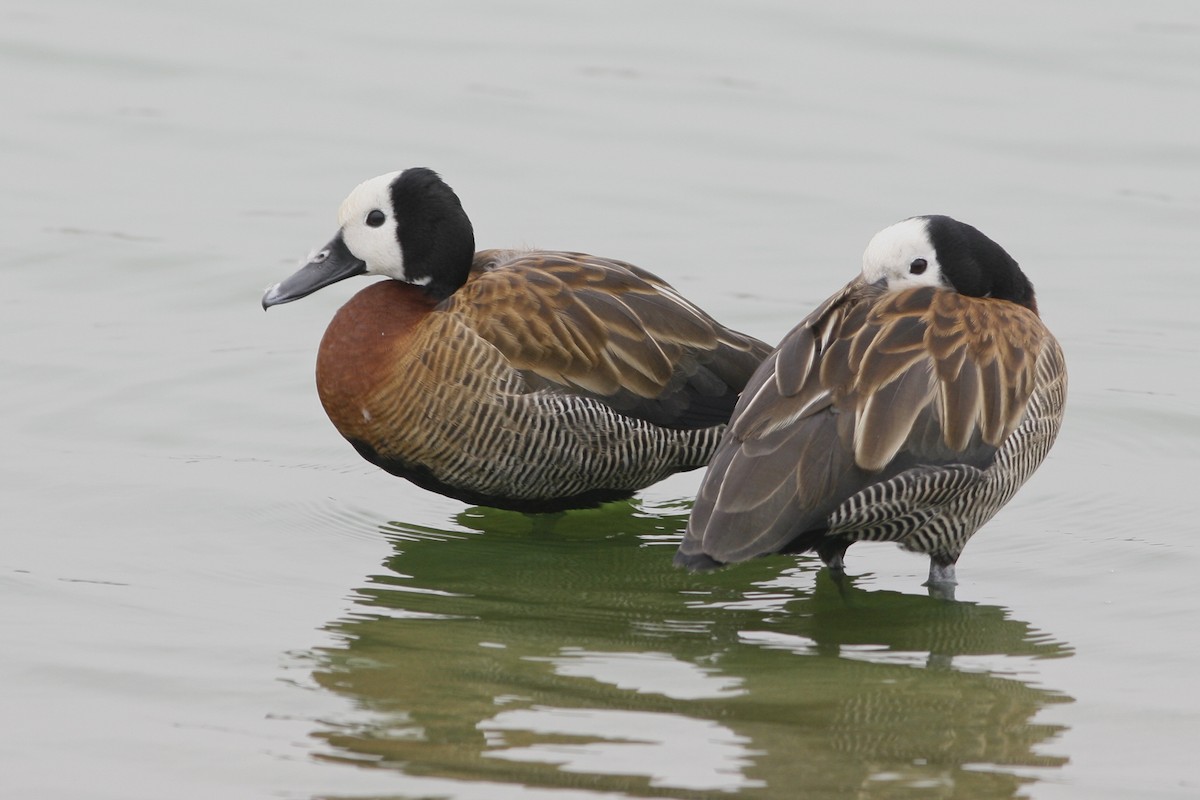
x,y
977,266
434,232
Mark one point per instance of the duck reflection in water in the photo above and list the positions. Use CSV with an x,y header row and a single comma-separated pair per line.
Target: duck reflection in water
x,y
579,661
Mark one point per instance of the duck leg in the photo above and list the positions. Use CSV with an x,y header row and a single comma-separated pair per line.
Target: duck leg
x,y
941,581
833,554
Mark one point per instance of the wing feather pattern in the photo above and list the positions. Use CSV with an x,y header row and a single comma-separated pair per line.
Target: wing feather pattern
x,y
608,330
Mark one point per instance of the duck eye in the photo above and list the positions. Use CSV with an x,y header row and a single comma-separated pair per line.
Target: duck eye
x,y
376,218
918,266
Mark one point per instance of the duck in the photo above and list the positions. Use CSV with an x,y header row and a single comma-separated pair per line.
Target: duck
x,y
530,380
908,407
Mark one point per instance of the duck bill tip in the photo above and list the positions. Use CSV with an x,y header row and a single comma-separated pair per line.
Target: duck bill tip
x,y
273,297
327,266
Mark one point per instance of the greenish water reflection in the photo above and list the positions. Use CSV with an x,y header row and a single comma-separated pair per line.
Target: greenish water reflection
x,y
576,656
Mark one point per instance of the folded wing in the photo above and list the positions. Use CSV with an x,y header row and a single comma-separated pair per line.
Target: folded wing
x,y
867,386
608,330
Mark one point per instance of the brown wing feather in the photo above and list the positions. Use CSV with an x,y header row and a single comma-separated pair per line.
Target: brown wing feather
x,y
922,376
608,330
939,350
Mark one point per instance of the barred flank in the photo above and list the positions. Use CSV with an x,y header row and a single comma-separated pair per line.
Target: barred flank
x,y
935,510
568,445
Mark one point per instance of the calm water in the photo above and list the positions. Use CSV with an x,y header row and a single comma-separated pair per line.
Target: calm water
x,y
205,593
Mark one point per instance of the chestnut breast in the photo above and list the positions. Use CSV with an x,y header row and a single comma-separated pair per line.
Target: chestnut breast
x,y
367,349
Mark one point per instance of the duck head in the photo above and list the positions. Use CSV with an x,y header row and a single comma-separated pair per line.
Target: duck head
x,y
408,226
939,251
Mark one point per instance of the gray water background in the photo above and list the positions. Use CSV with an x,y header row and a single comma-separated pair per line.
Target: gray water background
x,y
205,593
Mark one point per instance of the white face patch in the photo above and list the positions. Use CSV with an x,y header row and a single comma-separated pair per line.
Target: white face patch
x,y
891,252
376,245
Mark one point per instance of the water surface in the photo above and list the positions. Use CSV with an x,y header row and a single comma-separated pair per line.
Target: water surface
x,y
207,594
